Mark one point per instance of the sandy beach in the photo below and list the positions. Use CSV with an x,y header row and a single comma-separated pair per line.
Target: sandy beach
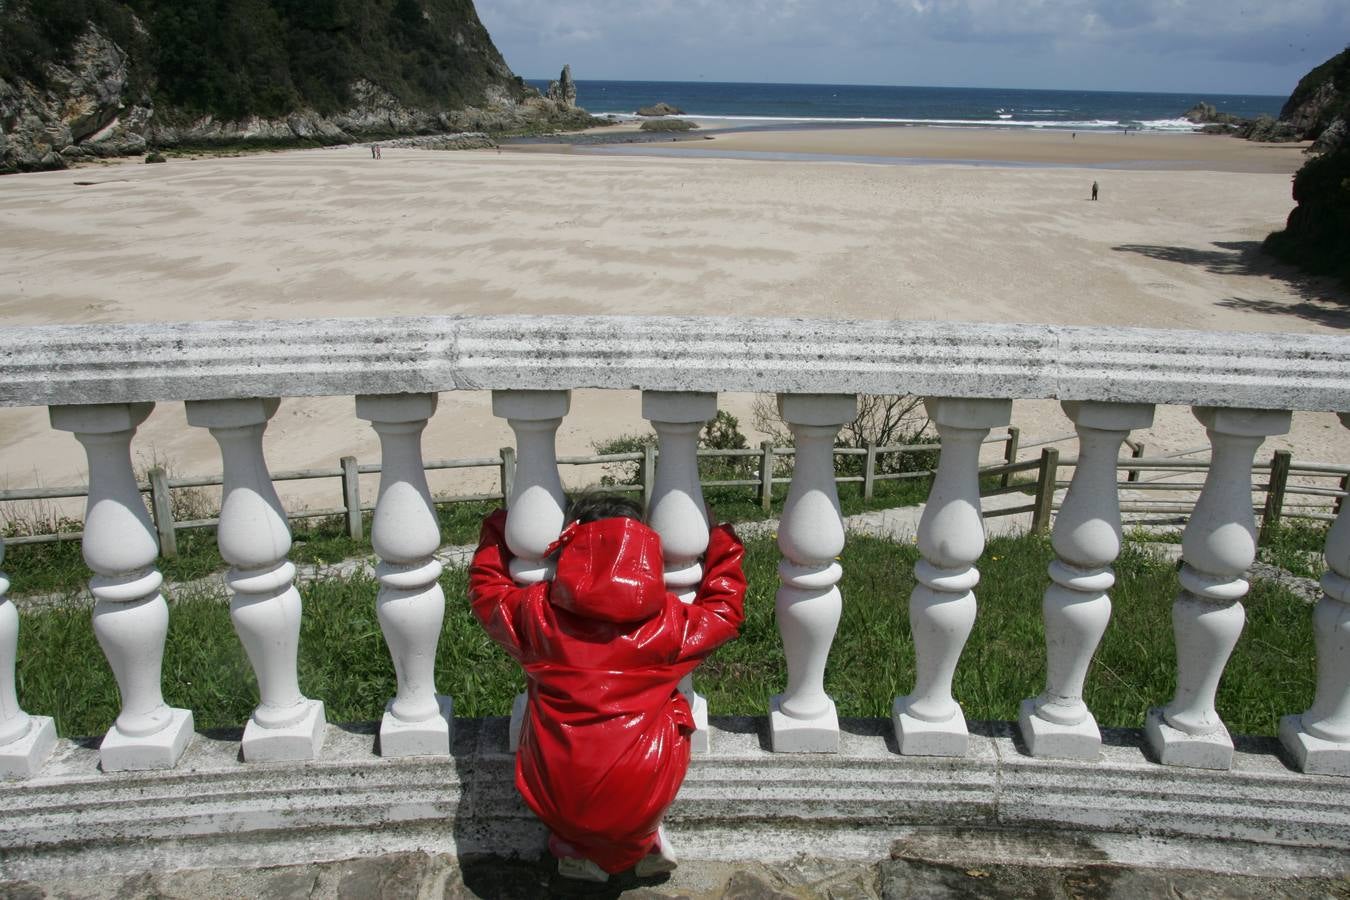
x,y
1172,243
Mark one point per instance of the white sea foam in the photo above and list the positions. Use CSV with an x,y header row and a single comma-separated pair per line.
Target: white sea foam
x,y
1176,125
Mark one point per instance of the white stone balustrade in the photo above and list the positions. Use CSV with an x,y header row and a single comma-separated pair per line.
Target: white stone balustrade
x,y
405,534
25,741
537,504
1319,739
131,619
1108,379
928,721
254,538
677,511
1076,607
803,718
1217,548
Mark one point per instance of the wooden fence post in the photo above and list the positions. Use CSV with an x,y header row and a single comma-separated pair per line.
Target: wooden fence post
x,y
1010,451
1045,491
766,476
870,470
1136,452
351,496
161,505
508,455
1279,479
648,474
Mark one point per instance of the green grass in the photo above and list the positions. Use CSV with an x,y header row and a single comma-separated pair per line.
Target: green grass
x,y
343,660
1296,546
58,567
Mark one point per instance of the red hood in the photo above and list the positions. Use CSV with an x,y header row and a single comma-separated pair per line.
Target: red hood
x,y
611,570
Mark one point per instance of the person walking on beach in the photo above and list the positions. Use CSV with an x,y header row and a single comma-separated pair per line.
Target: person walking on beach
x,y
1094,190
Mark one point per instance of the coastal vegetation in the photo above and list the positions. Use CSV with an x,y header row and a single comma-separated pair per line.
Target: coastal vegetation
x,y
110,77
1316,236
267,57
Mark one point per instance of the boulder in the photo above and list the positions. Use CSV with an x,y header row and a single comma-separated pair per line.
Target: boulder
x,y
1335,136
668,125
87,91
82,95
1200,113
1269,130
1204,113
563,91
660,109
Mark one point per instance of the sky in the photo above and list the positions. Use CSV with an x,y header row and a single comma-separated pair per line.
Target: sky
x,y
1182,46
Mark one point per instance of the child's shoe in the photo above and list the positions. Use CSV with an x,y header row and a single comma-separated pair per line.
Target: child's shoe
x,y
581,869
660,861
572,864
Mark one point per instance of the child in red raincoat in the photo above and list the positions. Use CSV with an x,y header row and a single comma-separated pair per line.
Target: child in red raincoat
x,y
605,741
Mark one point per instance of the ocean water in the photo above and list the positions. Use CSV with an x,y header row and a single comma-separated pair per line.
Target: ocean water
x,y
747,104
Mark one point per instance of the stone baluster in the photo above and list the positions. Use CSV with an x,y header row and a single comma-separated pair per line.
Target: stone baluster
x,y
677,512
1076,607
411,605
1319,739
131,618
537,504
928,722
254,538
1217,547
25,741
803,718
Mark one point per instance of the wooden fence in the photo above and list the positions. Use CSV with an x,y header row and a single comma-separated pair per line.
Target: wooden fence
x,y
1040,491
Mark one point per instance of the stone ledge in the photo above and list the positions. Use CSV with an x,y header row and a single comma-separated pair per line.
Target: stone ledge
x,y
738,802
70,364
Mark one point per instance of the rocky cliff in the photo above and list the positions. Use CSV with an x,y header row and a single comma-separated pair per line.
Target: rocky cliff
x,y
1316,236
1318,111
113,77
1321,100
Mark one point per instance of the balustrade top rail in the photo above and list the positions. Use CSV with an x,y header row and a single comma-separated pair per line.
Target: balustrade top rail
x,y
78,364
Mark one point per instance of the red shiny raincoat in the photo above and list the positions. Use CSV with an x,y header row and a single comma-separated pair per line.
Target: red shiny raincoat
x,y
605,743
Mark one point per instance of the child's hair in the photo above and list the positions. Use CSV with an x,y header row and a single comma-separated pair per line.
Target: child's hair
x,y
591,507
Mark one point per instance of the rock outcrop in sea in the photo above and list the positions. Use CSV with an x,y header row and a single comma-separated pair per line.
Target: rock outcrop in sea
x,y
108,87
1318,110
660,109
564,90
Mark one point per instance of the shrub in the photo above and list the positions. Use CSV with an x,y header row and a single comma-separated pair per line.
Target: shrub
x,y
723,432
886,420
1317,234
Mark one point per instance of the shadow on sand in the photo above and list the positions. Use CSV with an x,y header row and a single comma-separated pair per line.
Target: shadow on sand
x,y
1320,300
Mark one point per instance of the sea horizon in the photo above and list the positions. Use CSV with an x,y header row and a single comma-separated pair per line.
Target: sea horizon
x,y
770,103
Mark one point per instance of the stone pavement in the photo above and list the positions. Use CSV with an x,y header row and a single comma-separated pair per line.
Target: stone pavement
x,y
911,874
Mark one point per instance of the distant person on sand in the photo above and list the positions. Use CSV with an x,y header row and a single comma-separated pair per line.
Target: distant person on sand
x,y
1094,190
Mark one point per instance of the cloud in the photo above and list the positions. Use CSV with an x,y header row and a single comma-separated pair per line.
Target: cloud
x,y
829,36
